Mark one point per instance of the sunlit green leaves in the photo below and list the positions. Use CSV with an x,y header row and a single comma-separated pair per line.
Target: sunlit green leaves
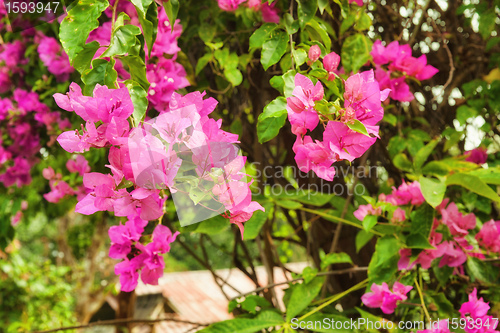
x,y
274,48
271,120
355,52
384,262
77,25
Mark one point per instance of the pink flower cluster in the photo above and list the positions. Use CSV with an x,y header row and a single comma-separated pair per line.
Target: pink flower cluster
x,y
394,64
145,157
54,58
385,299
477,155
477,310
163,72
362,102
475,314
146,259
21,119
11,60
453,252
60,188
269,12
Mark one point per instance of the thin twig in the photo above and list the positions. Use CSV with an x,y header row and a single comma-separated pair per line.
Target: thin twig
x,y
122,321
337,272
450,57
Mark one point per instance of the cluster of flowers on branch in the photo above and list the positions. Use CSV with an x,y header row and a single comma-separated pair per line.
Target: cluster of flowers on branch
x,y
395,64
342,140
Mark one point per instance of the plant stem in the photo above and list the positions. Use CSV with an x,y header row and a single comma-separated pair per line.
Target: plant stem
x,y
422,301
334,298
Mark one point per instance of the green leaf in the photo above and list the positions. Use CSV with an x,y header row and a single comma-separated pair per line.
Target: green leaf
x,y
487,23
202,62
262,34
122,39
149,24
358,127
274,48
289,81
489,176
135,66
335,258
207,32
474,184
362,238
309,274
258,219
355,52
402,162
302,295
347,23
384,262
234,76
264,320
83,59
433,190
289,204
465,112
369,222
421,225
212,226
318,27
291,25
392,120
364,22
172,9
102,72
300,56
315,198
140,100
322,5
277,83
77,25
423,154
306,11
483,271
271,120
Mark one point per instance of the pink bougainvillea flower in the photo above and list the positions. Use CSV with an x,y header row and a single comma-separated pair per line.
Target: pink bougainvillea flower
x,y
346,143
270,14
80,165
229,5
477,155
400,90
129,276
331,62
425,257
357,2
489,236
364,210
476,308
54,58
307,92
381,297
399,215
452,255
314,53
239,216
458,224
166,39
314,156
405,194
165,77
302,122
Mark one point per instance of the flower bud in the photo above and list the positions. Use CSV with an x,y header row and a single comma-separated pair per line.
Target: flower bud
x,y
314,53
331,61
295,104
